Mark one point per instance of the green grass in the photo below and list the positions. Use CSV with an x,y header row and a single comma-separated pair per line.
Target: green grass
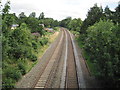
x,y
80,43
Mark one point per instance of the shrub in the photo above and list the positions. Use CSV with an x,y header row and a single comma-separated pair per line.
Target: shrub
x,y
34,45
43,41
13,73
8,83
22,68
33,57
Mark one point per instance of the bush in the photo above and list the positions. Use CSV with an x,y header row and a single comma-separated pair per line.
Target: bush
x,y
34,45
33,57
13,73
43,41
22,68
8,83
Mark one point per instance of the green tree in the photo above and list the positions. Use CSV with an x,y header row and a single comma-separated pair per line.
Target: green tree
x,y
22,15
41,16
22,18
55,23
48,22
33,14
65,22
117,14
33,24
6,8
102,45
75,24
107,12
20,38
94,15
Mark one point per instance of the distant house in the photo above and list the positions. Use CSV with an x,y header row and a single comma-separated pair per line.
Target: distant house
x,y
14,26
49,29
42,25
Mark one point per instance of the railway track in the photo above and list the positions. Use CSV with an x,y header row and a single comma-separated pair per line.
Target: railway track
x,y
56,75
71,77
61,68
44,81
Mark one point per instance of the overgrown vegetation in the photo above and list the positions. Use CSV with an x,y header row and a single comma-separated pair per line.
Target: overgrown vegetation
x,y
100,39
103,45
22,44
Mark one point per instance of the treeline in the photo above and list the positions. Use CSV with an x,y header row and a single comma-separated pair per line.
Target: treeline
x,y
71,24
21,45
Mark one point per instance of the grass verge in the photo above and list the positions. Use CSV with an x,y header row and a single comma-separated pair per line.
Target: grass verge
x,y
92,66
42,49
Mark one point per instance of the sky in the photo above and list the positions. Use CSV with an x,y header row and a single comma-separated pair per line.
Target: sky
x,y
58,9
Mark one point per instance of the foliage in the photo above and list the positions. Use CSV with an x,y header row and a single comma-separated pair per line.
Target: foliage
x,y
93,16
49,22
117,14
41,16
19,45
102,43
65,22
21,38
33,57
33,24
22,15
43,41
22,65
6,8
8,84
22,68
33,14
72,24
75,24
13,73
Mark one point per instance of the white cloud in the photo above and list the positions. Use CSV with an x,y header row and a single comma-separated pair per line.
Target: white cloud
x,y
58,9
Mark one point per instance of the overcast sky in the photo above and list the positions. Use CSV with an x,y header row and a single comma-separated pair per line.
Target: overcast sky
x,y
58,9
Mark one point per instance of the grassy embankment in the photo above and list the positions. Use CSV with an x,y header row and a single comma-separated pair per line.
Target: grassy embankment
x,y
92,67
14,69
41,50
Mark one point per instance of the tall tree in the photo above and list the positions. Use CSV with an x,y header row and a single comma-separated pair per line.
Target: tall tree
x,y
22,18
93,16
41,16
22,15
109,15
6,9
33,14
117,13
33,24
